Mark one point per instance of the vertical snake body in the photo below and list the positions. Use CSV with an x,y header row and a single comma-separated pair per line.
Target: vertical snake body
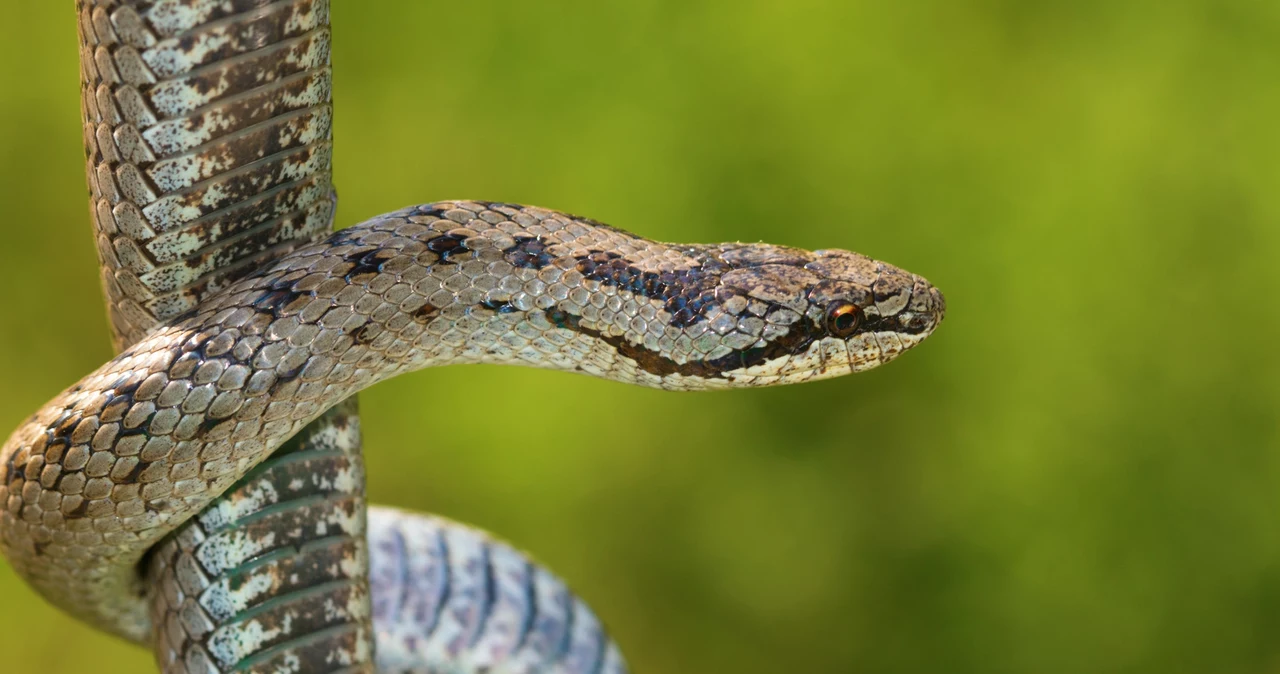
x,y
207,135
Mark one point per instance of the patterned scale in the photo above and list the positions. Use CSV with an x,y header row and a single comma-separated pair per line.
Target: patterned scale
x,y
208,146
207,135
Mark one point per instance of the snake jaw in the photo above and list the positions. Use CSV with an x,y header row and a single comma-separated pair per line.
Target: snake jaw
x,y
897,310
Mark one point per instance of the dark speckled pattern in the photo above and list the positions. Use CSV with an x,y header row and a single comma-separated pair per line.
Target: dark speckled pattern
x,y
103,471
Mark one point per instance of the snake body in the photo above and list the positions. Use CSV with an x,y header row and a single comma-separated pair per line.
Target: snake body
x,y
241,329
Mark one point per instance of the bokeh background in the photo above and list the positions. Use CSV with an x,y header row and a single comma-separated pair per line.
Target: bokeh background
x,y
1080,472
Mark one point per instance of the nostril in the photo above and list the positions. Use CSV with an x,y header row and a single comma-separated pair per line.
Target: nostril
x,y
939,303
916,322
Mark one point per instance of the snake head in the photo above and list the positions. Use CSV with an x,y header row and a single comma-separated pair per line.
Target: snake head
x,y
819,314
553,290
877,309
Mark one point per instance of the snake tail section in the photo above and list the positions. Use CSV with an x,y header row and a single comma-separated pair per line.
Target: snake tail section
x,y
449,598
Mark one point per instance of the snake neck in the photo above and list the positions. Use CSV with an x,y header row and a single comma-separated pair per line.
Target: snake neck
x,y
496,283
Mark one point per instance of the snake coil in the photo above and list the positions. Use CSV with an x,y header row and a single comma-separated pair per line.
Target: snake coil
x,y
219,451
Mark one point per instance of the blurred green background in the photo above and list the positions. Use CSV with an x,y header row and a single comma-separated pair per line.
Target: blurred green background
x,y
1080,472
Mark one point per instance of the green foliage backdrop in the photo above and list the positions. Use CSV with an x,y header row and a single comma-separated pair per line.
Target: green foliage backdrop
x,y
1078,473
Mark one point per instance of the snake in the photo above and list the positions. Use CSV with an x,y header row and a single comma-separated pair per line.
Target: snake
x,y
174,495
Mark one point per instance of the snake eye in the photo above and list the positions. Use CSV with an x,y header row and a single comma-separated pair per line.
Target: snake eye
x,y
843,319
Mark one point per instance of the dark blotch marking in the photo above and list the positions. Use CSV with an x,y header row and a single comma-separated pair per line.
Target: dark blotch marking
x,y
686,293
567,321
12,468
136,472
80,510
210,423
55,448
425,313
528,253
274,299
364,334
448,246
367,261
430,210
499,307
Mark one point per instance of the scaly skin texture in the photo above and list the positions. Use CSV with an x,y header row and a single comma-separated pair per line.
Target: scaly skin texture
x,y
273,574
207,143
448,598
103,471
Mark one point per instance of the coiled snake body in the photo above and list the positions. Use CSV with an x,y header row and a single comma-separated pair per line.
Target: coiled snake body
x,y
103,472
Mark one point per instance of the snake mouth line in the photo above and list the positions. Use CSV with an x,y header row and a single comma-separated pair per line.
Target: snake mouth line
x,y
657,364
797,344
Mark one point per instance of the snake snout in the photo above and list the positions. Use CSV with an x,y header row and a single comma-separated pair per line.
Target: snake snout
x,y
920,315
928,302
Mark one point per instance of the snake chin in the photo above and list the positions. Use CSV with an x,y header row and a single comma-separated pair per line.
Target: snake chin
x,y
827,359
